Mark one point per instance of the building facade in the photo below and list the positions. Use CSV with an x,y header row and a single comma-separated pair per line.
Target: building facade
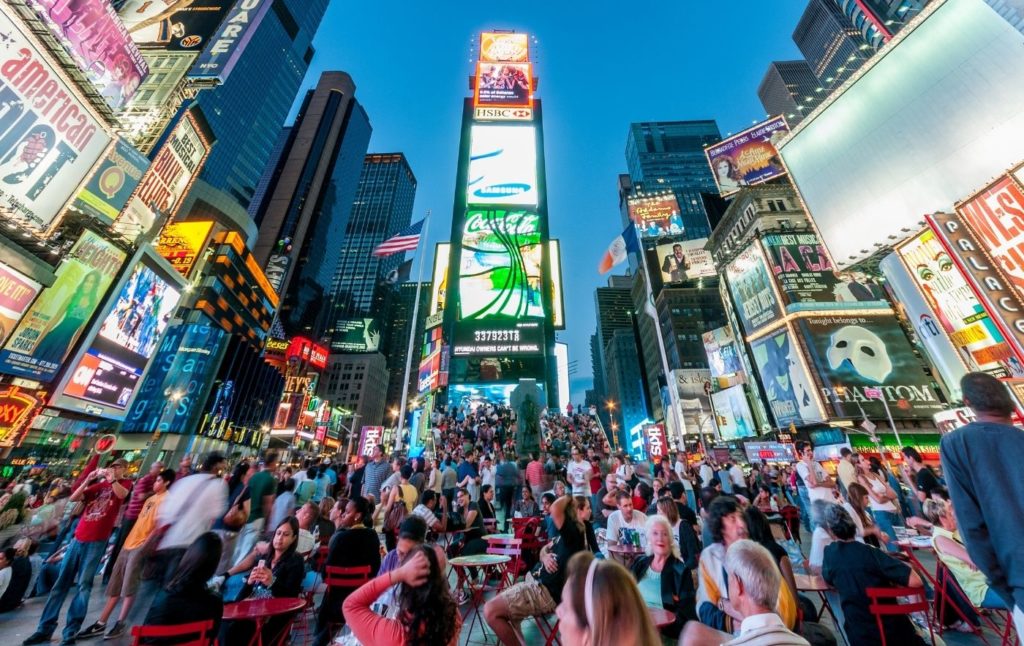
x,y
830,43
790,88
400,303
359,383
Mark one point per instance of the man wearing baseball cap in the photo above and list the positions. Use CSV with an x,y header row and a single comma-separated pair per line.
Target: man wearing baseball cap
x,y
102,493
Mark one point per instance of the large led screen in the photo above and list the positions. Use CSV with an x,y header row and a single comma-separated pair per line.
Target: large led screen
x,y
748,158
931,121
500,266
496,47
733,411
720,346
656,216
503,85
786,383
502,165
177,25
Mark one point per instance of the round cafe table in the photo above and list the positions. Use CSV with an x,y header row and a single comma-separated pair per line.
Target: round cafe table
x,y
661,617
259,611
814,583
625,553
499,537
474,591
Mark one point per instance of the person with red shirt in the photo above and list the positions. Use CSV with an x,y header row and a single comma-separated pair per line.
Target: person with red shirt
x,y
535,476
102,493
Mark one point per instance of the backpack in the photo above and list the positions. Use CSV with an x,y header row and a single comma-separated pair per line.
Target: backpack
x,y
395,514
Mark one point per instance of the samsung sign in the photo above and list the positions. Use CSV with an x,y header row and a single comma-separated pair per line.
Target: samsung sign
x,y
226,46
502,165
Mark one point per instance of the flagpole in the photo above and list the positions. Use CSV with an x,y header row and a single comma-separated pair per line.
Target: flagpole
x,y
412,334
669,379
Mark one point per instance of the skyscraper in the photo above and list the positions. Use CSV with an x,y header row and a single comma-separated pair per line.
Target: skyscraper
x,y
833,47
790,88
382,207
669,155
305,211
246,112
400,305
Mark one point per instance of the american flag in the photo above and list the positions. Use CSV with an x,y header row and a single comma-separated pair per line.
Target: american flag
x,y
406,240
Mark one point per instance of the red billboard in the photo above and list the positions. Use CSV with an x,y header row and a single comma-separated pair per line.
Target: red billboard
x,y
996,215
307,351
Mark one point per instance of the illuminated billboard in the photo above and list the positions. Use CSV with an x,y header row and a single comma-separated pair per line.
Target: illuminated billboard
x,y
733,411
181,243
439,278
356,335
225,47
996,216
749,158
868,173
787,385
751,288
99,43
562,366
52,325
113,183
500,265
958,312
656,216
17,292
557,299
109,370
504,48
854,355
502,165
176,25
684,260
805,275
503,85
49,137
720,346
499,339
307,352
168,179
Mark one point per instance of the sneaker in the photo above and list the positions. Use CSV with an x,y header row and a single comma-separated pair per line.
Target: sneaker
x,y
962,627
116,630
92,631
36,638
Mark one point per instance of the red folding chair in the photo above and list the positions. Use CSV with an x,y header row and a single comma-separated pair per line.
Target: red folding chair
x,y
947,587
343,578
199,630
548,630
791,522
886,602
511,547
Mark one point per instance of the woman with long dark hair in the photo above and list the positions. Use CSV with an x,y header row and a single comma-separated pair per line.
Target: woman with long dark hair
x,y
186,597
427,613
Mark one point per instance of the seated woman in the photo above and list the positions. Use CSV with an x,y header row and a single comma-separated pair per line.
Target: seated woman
x,y
821,538
663,578
858,506
601,605
427,614
851,568
686,538
187,598
585,513
949,547
275,568
526,507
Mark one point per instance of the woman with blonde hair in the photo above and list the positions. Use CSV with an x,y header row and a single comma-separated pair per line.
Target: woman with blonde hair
x,y
664,579
601,606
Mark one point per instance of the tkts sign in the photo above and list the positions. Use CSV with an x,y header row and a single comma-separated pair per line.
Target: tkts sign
x,y
990,285
996,216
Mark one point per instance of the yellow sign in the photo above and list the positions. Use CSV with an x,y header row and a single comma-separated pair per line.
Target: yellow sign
x,y
504,48
182,242
439,283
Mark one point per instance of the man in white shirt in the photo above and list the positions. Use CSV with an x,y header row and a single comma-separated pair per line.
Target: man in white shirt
x,y
754,583
579,471
819,484
707,473
487,472
739,481
624,516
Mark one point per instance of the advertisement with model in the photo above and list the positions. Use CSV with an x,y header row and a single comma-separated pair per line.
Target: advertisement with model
x,y
657,215
175,25
734,418
751,288
109,188
748,158
684,260
787,386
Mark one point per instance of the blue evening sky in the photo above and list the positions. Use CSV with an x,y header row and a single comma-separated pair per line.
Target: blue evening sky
x,y
601,65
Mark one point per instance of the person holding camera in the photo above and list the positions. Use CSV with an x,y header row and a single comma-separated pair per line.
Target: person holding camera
x,y
101,493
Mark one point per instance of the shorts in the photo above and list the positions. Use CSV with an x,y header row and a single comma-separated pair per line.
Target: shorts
x,y
127,573
528,599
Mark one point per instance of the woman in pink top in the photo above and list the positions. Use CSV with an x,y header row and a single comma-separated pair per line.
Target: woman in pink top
x,y
427,613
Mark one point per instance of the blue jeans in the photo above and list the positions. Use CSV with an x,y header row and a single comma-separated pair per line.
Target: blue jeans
x,y
805,508
885,521
78,569
993,601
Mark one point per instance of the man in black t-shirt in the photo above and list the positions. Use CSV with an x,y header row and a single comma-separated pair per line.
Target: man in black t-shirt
x,y
537,597
924,481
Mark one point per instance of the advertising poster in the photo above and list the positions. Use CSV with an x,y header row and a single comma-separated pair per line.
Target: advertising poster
x,y
180,243
113,183
734,418
692,387
17,405
370,437
500,266
503,85
504,48
685,260
98,41
356,335
305,351
439,278
429,373
786,384
994,215
656,216
979,343
50,328
657,447
175,25
224,48
751,289
168,179
46,147
17,291
499,339
109,371
502,165
748,158
720,346
857,353
801,267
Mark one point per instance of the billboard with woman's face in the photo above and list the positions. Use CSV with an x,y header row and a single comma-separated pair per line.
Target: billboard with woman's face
x,y
748,158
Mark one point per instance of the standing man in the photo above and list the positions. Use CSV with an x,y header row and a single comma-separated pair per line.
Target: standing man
x,y
142,490
102,493
376,471
812,481
579,472
924,480
982,463
535,476
262,490
707,472
847,469
506,478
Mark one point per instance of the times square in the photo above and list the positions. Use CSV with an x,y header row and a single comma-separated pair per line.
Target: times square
x,y
257,388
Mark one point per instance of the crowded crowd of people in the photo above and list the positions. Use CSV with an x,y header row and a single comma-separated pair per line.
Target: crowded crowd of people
x,y
608,544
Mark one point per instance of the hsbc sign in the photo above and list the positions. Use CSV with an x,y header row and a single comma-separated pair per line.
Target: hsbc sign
x,y
503,114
